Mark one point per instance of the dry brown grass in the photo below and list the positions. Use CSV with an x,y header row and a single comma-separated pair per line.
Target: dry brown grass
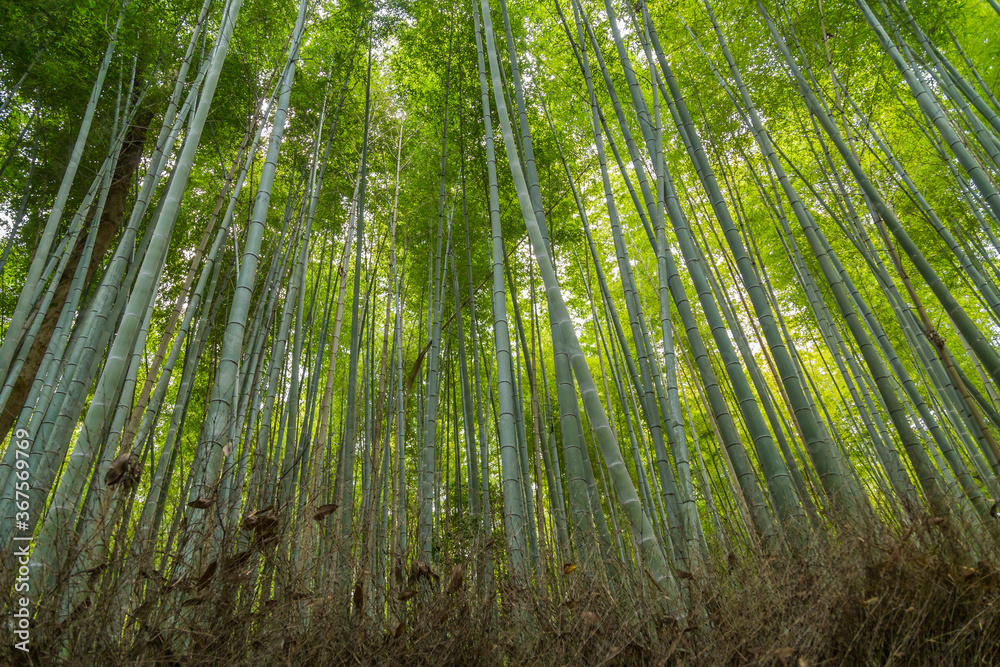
x,y
905,600
892,601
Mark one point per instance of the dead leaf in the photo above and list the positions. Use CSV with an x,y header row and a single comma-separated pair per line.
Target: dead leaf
x,y
324,511
118,469
870,601
400,629
568,567
590,618
455,580
207,575
202,503
684,574
250,519
264,523
937,521
420,570
784,652
407,594
359,598
803,662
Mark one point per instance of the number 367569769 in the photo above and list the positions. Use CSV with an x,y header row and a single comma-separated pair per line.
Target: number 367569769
x,y
21,465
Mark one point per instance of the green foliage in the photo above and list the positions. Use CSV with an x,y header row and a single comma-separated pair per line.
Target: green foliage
x,y
418,50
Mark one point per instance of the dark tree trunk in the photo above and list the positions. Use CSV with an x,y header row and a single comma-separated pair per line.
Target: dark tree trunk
x,y
111,218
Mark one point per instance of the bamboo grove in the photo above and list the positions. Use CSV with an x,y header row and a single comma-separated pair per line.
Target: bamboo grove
x,y
352,305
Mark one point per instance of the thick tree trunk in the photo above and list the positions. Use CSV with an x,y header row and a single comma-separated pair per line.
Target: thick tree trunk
x,y
111,218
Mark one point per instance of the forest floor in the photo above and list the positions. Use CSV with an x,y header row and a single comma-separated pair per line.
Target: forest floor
x,y
915,599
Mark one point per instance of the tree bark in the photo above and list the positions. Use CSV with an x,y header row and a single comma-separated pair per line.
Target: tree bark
x,y
111,218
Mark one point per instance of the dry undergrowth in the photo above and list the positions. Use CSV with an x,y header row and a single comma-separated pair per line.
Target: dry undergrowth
x,y
910,600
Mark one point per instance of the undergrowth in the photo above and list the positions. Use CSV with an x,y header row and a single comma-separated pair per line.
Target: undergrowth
x,y
910,599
